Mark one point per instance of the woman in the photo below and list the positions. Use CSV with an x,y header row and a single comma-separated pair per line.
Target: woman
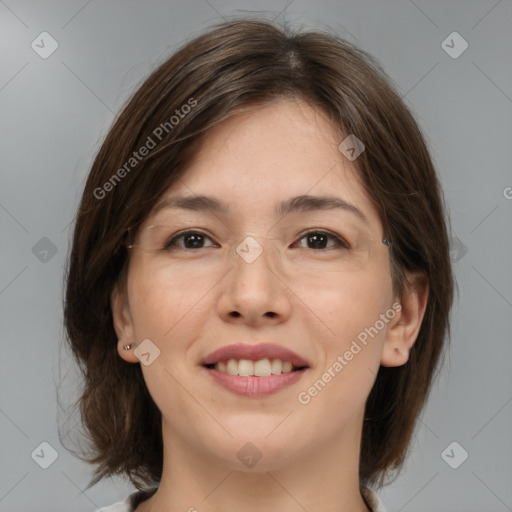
x,y
256,293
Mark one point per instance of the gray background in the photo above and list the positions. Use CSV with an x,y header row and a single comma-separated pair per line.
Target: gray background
x,y
54,114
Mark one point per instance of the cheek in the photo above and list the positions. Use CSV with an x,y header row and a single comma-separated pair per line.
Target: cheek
x,y
351,351
349,309
348,302
162,308
161,300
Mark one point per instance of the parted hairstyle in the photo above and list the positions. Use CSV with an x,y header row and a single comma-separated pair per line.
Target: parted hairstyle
x,y
240,64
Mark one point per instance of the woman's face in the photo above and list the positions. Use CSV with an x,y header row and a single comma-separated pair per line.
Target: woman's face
x,y
252,275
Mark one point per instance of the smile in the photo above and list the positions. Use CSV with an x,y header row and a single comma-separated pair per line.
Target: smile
x,y
255,370
261,368
255,387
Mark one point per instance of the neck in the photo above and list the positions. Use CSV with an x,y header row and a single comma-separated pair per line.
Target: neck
x,y
324,478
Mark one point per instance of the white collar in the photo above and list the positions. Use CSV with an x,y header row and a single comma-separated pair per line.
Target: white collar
x,y
372,500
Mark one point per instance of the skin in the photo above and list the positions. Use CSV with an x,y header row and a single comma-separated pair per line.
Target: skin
x,y
207,299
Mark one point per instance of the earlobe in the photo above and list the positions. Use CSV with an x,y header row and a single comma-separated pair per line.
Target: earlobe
x,y
123,325
404,329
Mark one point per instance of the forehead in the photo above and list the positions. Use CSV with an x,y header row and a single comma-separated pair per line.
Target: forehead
x,y
255,160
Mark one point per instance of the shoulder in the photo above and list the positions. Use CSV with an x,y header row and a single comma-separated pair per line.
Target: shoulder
x,y
130,503
121,506
133,500
372,500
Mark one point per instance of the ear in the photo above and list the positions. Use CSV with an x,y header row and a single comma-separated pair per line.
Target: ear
x,y
405,326
123,324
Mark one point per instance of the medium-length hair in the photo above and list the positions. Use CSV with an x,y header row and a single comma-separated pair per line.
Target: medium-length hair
x,y
241,64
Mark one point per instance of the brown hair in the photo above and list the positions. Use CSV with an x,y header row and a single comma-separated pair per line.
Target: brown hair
x,y
239,64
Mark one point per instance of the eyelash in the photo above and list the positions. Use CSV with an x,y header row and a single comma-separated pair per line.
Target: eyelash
x,y
339,242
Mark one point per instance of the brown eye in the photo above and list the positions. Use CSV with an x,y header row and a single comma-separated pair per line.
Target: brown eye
x,y
318,240
190,240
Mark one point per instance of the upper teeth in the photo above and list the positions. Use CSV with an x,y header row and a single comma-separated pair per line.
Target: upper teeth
x,y
261,368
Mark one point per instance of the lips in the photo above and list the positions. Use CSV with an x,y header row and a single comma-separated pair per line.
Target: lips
x,y
254,353
255,386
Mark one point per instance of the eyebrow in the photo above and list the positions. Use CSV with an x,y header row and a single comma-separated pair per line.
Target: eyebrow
x,y
302,203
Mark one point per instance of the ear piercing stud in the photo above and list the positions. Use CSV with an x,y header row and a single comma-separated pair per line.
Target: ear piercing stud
x,y
128,347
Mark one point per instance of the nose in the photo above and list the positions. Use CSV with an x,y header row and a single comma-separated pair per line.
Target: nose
x,y
253,292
